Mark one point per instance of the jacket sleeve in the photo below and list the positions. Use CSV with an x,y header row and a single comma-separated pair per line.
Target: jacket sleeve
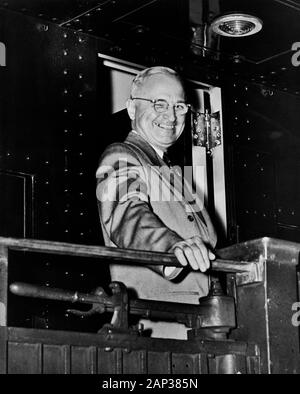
x,y
125,208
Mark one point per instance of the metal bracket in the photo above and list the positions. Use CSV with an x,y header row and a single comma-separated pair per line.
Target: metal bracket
x,y
206,130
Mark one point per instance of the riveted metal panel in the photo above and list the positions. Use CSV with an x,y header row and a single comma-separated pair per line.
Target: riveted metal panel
x,y
159,362
110,361
186,364
134,362
262,147
24,358
56,359
83,360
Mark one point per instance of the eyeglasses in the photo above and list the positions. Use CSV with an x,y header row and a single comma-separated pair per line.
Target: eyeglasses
x,y
162,106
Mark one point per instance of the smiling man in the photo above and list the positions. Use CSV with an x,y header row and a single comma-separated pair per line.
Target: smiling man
x,y
142,203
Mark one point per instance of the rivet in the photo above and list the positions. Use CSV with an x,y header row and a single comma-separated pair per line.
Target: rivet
x,y
65,150
66,130
248,121
46,162
27,158
80,95
80,57
80,76
65,91
81,173
81,213
66,190
293,213
77,20
235,101
66,273
246,104
46,202
273,72
47,183
80,134
80,115
81,234
249,138
245,165
66,170
66,210
81,194
81,275
47,284
80,39
65,35
7,154
80,154
283,68
246,87
65,52
66,231
47,223
65,110
54,19
261,169
237,135
65,72
88,14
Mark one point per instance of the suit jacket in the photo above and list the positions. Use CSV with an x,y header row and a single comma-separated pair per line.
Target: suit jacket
x,y
144,204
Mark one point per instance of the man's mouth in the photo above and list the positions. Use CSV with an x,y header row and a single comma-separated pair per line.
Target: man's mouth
x,y
165,126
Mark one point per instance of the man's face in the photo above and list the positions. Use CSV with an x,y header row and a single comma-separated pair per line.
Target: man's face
x,y
159,129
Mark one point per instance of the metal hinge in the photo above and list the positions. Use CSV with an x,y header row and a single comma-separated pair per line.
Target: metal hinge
x,y
206,129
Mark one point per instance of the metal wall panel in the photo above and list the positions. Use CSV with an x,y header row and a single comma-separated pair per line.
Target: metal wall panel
x,y
33,351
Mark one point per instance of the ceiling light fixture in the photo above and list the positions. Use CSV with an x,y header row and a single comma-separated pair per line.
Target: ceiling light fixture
x,y
236,25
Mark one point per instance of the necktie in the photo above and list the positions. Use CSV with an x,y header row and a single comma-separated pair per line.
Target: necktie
x,y
166,159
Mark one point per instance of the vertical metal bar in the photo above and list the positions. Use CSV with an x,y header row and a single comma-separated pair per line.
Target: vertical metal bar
x,y
3,284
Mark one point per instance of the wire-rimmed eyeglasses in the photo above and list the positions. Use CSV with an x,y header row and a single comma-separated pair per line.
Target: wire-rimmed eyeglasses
x,y
161,105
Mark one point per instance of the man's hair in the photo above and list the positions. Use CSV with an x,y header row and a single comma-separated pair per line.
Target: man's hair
x,y
140,78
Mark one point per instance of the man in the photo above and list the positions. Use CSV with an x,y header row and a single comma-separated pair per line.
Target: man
x,y
145,204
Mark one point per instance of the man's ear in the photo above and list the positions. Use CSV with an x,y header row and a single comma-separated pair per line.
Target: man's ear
x,y
130,105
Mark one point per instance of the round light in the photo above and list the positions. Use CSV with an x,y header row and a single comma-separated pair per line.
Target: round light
x,y
236,25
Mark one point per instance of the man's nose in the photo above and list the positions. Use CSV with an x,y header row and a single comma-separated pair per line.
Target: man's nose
x,y
171,113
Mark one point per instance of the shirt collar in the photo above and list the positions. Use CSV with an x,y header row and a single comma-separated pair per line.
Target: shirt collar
x,y
160,152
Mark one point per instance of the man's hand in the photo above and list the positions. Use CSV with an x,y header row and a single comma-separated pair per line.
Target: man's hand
x,y
193,252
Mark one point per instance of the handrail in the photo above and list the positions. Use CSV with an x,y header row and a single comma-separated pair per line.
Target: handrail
x,y
123,256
